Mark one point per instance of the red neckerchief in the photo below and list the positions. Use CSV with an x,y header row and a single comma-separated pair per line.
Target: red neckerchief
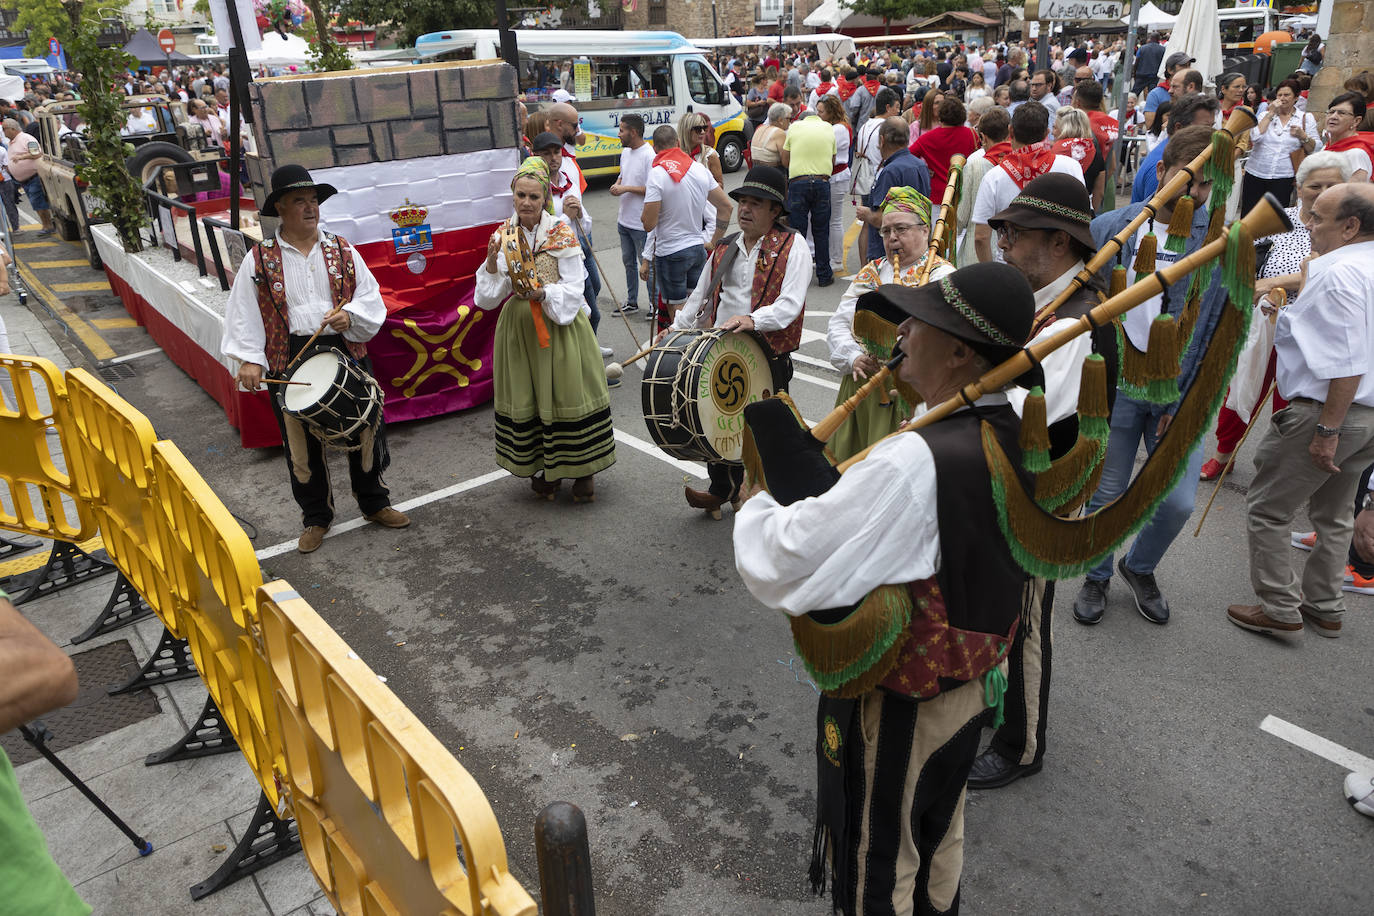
x,y
1028,162
1361,140
675,162
872,86
1077,149
554,186
846,88
823,89
997,152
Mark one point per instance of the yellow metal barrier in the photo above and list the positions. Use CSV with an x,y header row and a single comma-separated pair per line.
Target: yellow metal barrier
x,y
383,808
36,432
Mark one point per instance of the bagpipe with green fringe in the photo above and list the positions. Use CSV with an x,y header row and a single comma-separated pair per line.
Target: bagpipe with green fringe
x,y
848,650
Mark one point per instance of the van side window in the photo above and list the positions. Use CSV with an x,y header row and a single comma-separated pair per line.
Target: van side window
x,y
702,85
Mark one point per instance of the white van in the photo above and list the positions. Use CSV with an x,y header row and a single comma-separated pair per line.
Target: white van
x,y
659,76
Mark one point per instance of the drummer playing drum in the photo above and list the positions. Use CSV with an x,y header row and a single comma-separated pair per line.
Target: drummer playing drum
x,y
757,283
301,281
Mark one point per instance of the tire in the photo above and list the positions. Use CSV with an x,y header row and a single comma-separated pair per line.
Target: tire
x,y
731,153
150,157
69,229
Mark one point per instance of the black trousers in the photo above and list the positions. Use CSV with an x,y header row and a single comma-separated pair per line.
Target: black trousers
x,y
1021,739
727,478
305,460
1362,566
1252,191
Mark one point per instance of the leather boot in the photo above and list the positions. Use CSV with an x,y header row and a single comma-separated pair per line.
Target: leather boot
x,y
703,499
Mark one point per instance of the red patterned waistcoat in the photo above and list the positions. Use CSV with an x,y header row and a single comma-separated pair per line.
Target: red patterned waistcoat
x,y
769,271
343,280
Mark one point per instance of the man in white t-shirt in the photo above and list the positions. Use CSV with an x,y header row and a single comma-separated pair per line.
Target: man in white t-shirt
x,y
674,213
636,158
1031,156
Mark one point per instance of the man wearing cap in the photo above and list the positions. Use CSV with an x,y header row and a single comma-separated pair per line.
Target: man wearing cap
x,y
918,513
745,291
1044,233
301,280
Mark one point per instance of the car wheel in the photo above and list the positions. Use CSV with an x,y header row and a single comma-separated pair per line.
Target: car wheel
x,y
732,153
150,157
68,228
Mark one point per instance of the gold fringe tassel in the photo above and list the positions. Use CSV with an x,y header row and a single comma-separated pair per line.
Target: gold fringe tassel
x,y
1162,358
1118,284
1035,433
1180,225
851,656
1145,256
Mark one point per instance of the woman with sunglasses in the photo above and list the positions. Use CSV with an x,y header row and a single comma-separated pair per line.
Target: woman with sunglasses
x,y
1342,135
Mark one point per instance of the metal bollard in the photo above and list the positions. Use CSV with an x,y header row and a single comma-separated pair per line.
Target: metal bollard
x,y
565,861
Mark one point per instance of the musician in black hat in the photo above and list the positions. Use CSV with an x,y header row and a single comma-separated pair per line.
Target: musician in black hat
x,y
1044,234
757,282
302,280
918,514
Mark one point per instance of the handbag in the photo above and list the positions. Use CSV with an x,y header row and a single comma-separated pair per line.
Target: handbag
x,y
1298,155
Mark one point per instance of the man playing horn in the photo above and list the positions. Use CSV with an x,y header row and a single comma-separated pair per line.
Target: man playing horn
x,y
757,282
919,517
906,238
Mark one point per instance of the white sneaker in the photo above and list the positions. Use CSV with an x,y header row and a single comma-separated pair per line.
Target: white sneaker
x,y
607,353
1359,791
1303,540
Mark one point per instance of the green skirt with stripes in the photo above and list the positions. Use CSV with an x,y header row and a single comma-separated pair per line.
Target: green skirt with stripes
x,y
869,422
553,410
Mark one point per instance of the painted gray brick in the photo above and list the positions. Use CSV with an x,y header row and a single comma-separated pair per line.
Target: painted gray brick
x,y
330,102
283,106
310,148
353,135
450,84
488,81
413,139
464,115
353,155
504,132
384,97
467,141
381,142
424,94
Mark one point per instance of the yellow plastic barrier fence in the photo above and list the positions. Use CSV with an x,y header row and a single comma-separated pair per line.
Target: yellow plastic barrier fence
x,y
111,463
36,432
382,807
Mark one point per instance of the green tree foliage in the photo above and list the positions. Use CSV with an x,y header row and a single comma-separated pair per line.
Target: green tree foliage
x,y
44,19
892,10
325,52
119,194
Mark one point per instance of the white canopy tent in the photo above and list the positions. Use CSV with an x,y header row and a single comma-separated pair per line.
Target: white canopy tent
x,y
1152,17
829,15
11,87
280,52
1197,33
829,44
27,66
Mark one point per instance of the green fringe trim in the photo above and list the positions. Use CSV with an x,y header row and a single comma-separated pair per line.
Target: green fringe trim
x,y
1036,460
995,692
1176,243
1095,428
1240,284
1162,391
1035,566
1052,504
1220,168
898,605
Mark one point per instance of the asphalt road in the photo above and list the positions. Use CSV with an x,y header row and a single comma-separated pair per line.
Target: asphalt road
x,y
608,655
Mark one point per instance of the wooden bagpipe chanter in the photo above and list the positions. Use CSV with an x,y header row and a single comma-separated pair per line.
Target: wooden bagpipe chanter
x,y
848,651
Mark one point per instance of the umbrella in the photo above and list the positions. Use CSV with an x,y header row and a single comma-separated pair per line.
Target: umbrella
x,y
143,47
1197,34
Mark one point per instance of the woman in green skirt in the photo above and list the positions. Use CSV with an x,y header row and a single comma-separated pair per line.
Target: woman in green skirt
x,y
860,344
553,411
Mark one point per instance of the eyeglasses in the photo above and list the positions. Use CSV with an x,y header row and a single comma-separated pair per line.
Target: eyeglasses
x,y
891,232
699,127
1011,234
1343,112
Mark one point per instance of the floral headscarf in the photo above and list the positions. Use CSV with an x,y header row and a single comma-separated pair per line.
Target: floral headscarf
x,y
538,169
907,200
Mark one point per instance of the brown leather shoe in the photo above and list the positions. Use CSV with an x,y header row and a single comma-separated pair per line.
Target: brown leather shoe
x,y
311,538
389,518
584,489
1252,617
545,489
1331,629
703,499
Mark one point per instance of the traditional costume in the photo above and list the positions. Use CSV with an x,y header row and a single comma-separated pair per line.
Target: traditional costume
x,y
278,301
553,414
851,337
767,281
912,533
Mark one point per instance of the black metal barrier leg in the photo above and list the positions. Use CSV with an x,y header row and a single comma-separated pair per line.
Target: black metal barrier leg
x,y
170,661
67,565
207,736
565,861
11,546
266,840
124,607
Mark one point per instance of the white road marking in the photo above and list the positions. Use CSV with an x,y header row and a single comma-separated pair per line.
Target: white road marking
x,y
648,448
816,380
809,335
1316,744
812,361
353,524
128,356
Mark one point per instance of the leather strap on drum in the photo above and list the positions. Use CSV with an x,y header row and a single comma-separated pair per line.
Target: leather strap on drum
x,y
524,280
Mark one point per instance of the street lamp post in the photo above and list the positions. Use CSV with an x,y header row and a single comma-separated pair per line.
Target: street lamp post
x,y
715,31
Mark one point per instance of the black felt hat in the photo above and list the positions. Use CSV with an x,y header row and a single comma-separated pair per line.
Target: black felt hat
x,y
1052,201
293,178
764,182
990,306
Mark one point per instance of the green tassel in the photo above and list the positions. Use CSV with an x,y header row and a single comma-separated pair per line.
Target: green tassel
x,y
1238,269
1180,225
1095,428
995,692
1162,358
897,617
1035,435
1220,169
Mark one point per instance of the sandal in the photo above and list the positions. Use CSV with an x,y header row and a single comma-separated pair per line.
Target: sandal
x,y
584,490
543,488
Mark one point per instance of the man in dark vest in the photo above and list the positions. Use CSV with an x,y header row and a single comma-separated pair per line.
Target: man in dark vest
x,y
916,517
301,280
1044,234
757,282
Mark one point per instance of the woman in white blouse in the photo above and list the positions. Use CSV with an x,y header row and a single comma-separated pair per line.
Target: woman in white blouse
x,y
1283,136
553,417
831,110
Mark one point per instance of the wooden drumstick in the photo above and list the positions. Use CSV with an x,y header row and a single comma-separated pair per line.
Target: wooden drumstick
x,y
282,381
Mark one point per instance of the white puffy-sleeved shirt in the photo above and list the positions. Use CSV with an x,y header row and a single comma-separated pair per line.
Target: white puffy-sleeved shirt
x,y
831,550
1063,368
308,300
839,333
736,293
562,300
1328,331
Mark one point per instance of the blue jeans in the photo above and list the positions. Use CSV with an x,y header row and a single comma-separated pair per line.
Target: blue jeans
x,y
1133,421
679,272
631,250
809,199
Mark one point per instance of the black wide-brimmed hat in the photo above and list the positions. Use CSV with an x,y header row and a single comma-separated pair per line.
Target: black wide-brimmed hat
x,y
293,178
764,182
990,306
1052,201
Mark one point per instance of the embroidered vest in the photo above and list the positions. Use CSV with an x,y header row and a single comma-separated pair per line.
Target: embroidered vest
x,y
343,280
769,271
964,616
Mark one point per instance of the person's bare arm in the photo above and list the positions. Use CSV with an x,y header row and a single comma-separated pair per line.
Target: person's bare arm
x,y
785,157
724,210
982,241
39,677
650,215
